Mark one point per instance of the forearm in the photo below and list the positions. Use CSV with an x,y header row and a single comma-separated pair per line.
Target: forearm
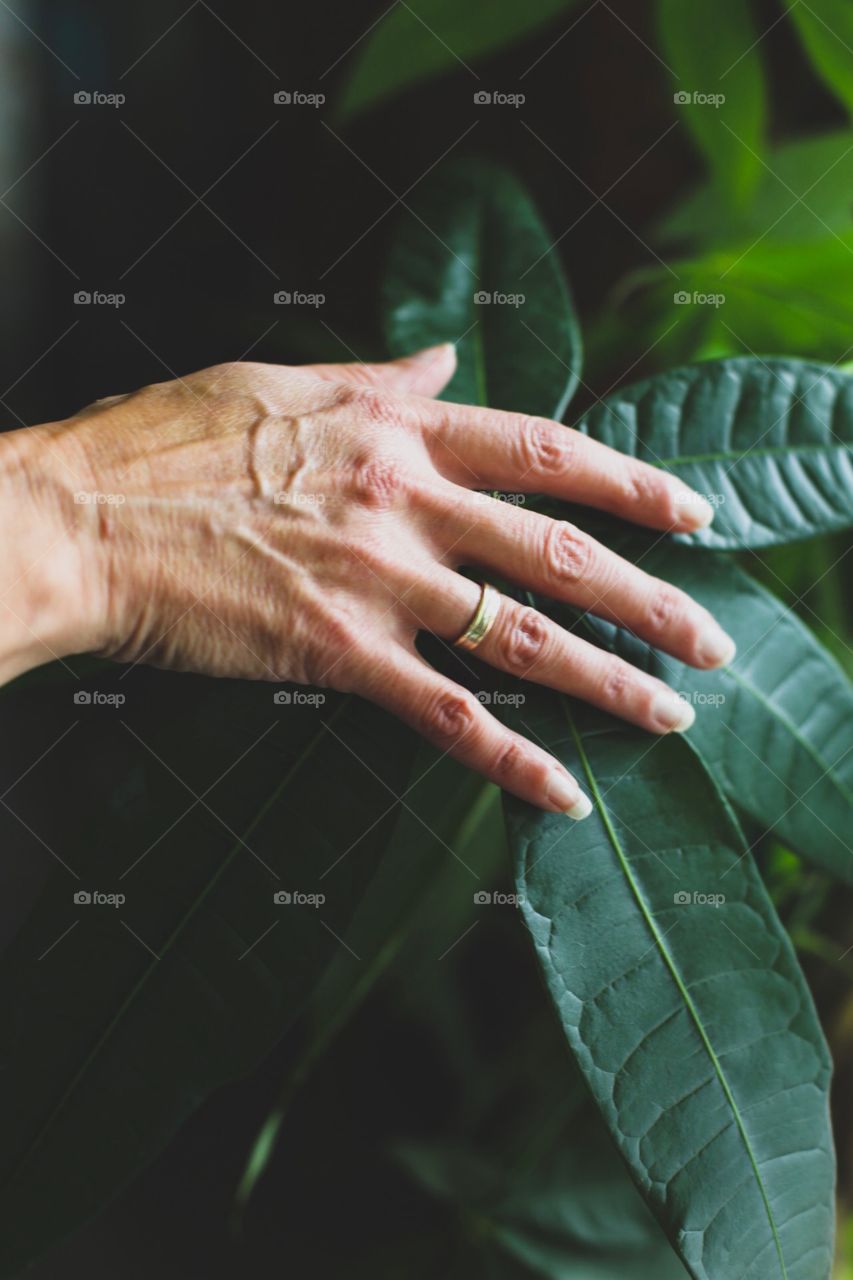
x,y
47,609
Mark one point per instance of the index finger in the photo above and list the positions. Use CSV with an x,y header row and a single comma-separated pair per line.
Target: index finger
x,y
489,449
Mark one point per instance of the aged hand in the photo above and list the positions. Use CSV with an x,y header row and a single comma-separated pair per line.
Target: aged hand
x,y
305,523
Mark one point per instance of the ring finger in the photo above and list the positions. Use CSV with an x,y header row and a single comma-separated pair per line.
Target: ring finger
x,y
530,646
561,561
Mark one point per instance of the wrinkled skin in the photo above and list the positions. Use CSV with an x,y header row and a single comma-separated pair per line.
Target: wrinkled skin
x,y
305,523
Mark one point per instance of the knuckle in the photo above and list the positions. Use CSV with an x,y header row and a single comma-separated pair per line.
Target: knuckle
x,y
508,761
526,640
544,448
568,553
665,607
646,487
617,683
379,483
449,716
371,404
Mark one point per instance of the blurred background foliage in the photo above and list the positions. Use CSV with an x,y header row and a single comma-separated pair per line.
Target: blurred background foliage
x,y
431,1130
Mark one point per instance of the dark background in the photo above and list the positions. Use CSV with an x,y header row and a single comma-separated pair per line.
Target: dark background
x,y
293,200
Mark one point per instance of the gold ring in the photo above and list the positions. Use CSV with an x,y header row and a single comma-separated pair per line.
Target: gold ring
x,y
483,620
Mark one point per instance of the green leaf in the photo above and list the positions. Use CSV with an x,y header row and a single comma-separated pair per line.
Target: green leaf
x,y
803,194
119,1020
768,441
826,30
713,51
691,1022
477,233
416,41
573,1215
775,728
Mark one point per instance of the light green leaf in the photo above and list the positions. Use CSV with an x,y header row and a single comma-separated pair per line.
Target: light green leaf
x,y
420,39
826,30
713,53
768,441
691,1022
803,193
477,235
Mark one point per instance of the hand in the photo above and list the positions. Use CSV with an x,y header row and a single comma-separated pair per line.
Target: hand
x,y
305,523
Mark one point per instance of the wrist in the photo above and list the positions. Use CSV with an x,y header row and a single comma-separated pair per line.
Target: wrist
x,y
50,601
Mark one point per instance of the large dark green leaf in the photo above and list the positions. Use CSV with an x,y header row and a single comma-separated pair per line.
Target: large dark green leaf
x,y
691,1021
714,53
768,441
776,727
118,1021
826,30
477,233
416,41
571,1215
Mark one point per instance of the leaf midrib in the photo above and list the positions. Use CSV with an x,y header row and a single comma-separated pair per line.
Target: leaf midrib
x,y
673,969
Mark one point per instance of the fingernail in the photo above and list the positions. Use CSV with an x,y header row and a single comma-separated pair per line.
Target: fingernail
x,y
696,512
672,713
716,649
581,809
563,795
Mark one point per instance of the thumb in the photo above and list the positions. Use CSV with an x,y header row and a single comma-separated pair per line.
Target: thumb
x,y
424,373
